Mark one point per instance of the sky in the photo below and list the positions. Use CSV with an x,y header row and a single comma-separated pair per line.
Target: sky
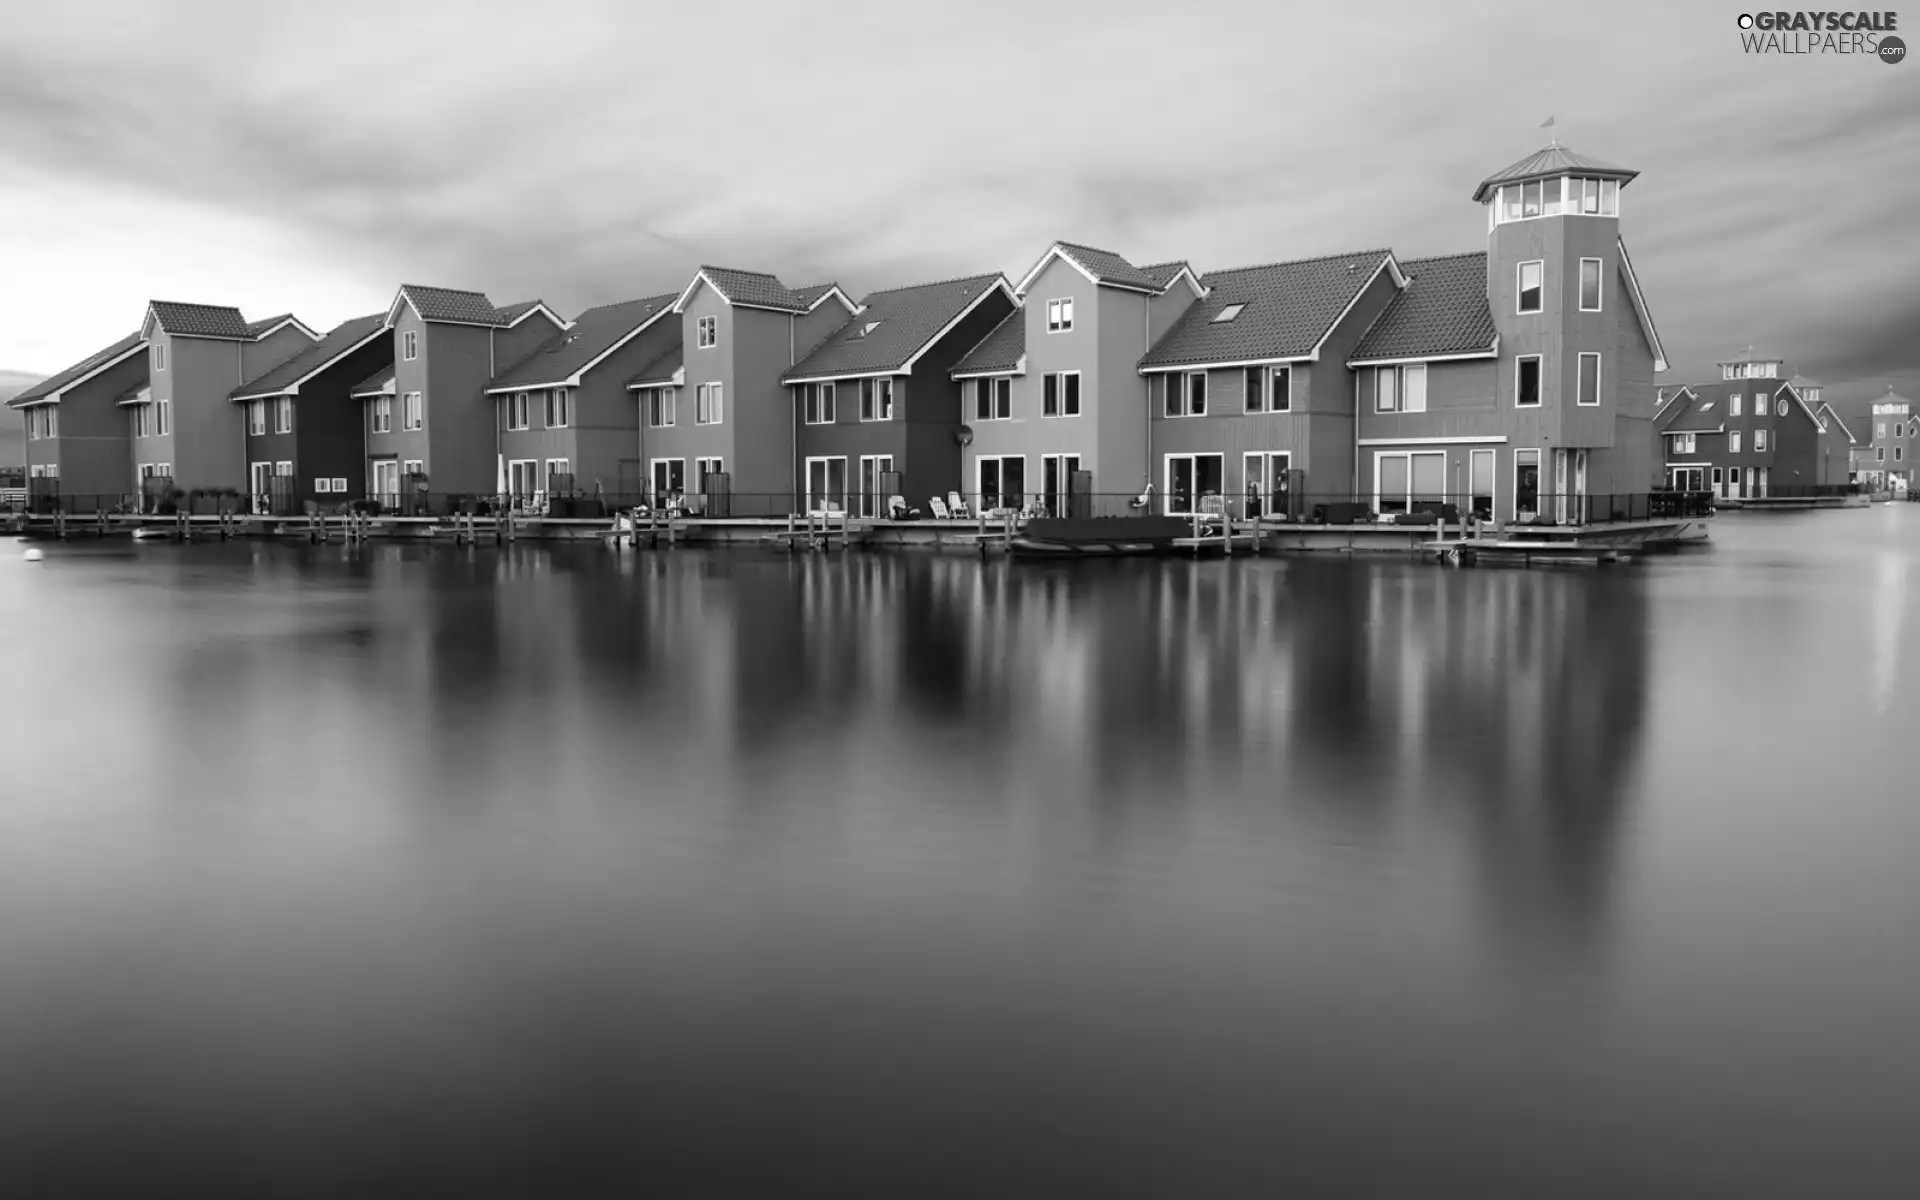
x,y
313,157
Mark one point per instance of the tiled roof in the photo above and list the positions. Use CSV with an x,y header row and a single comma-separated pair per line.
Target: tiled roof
x,y
342,338
380,383
1000,351
1286,308
891,327
754,288
201,320
1108,267
1162,274
446,304
592,334
1704,414
513,312
256,328
1442,310
660,370
1551,160
54,382
812,293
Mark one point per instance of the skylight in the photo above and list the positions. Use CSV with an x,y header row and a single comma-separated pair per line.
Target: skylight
x,y
866,329
1228,313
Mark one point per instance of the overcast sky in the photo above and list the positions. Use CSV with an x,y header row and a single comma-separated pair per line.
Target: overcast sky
x,y
313,157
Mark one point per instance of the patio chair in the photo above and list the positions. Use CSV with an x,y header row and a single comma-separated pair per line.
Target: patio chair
x,y
958,507
1143,501
939,508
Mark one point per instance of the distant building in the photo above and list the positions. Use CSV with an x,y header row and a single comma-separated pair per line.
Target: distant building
x,y
1752,433
1888,448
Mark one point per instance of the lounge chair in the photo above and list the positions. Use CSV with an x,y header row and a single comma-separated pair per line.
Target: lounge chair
x,y
958,507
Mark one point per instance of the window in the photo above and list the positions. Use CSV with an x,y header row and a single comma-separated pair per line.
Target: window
x,y
1733,404
523,478
1228,313
1526,381
1002,480
669,479
1899,430
1589,394
1056,483
707,332
1266,482
1589,285
323,486
413,412
1060,315
876,399
1759,441
1899,452
559,475
1186,394
819,403
1480,487
1530,199
1253,389
1526,483
519,412
1195,482
1060,394
162,418
706,405
660,406
1879,454
1528,279
257,417
1402,480
1880,429
339,484
993,399
283,414
413,468
410,345
283,469
1401,388
1683,443
703,467
557,416
876,471
826,485
1280,390
140,421
1733,441
383,414
158,355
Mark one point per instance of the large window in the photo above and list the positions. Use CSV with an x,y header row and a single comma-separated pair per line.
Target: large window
x,y
1589,285
706,405
1060,394
876,399
1002,481
1526,484
1529,285
1269,389
257,417
1564,196
1759,441
557,404
669,480
993,399
1186,394
704,469
1526,381
1402,480
1480,485
876,475
413,411
1195,482
1400,388
1683,443
1589,381
162,418
523,479
1266,482
410,345
660,406
1056,483
818,403
826,485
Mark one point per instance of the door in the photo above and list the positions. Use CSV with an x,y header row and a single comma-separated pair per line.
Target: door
x,y
386,482
873,489
1003,483
1056,483
826,485
669,480
260,487
1266,483
1192,479
1577,501
1480,476
1526,485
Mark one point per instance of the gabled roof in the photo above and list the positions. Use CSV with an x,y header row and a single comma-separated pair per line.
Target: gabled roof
x,y
446,306
744,289
1102,267
1442,313
562,359
285,379
662,371
1548,161
1164,274
1830,411
1700,415
199,320
1002,352
513,314
817,294
892,329
380,383
1284,311
1800,401
261,329
1667,404
81,371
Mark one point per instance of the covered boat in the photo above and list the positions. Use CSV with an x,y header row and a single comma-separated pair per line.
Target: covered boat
x,y
1096,537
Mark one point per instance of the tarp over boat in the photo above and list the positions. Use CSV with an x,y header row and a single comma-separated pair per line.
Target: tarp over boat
x,y
1107,529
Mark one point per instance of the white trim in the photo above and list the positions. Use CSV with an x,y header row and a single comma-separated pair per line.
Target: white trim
x,y
574,380
846,301
999,284
1836,419
1599,283
701,276
1599,386
1381,456
1492,439
1200,292
1519,290
1799,400
1540,383
1060,315
1060,396
1182,368
1058,250
1400,281
887,374
293,389
1683,389
285,321
1186,397
700,328
1192,456
1639,302
1492,351
819,402
719,411
539,306
1267,371
846,482
1539,477
870,391
1493,484
394,308
53,397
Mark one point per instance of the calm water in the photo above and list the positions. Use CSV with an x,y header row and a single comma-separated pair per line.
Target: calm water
x,y
395,870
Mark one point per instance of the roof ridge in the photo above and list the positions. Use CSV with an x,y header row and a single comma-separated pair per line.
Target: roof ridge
x,y
741,271
907,287
1096,250
1296,262
435,287
197,304
1428,258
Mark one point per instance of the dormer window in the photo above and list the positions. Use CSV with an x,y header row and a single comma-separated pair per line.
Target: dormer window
x,y
1228,313
861,331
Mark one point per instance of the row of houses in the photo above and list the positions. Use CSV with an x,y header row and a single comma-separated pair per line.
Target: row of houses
x,y
1759,430
1513,380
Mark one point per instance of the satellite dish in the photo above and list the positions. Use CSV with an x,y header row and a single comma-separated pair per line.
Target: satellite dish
x,y
963,435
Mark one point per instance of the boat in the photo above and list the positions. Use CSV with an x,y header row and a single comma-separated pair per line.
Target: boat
x,y
1098,537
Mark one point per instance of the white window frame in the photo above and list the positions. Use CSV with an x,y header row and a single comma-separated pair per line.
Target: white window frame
x,y
519,411
1227,314
987,394
1525,456
1685,443
557,466
381,410
162,418
283,469
1194,457
1060,394
1265,459
1064,466
1403,377
1734,404
1520,291
1759,441
712,464
980,478
323,486
413,411
819,404
140,420
1733,441
1380,456
409,345
157,356
283,414
1579,367
1275,401
559,401
662,402
1599,284
872,504
709,413
653,477
706,332
257,418
1060,315
877,398
1493,484
1540,381
818,504
516,477
1780,407
1185,393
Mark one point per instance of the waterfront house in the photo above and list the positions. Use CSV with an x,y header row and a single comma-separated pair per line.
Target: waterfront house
x,y
305,437
567,426
197,354
432,433
876,409
1249,395
1750,434
1054,398
77,435
1890,446
718,426
1517,383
